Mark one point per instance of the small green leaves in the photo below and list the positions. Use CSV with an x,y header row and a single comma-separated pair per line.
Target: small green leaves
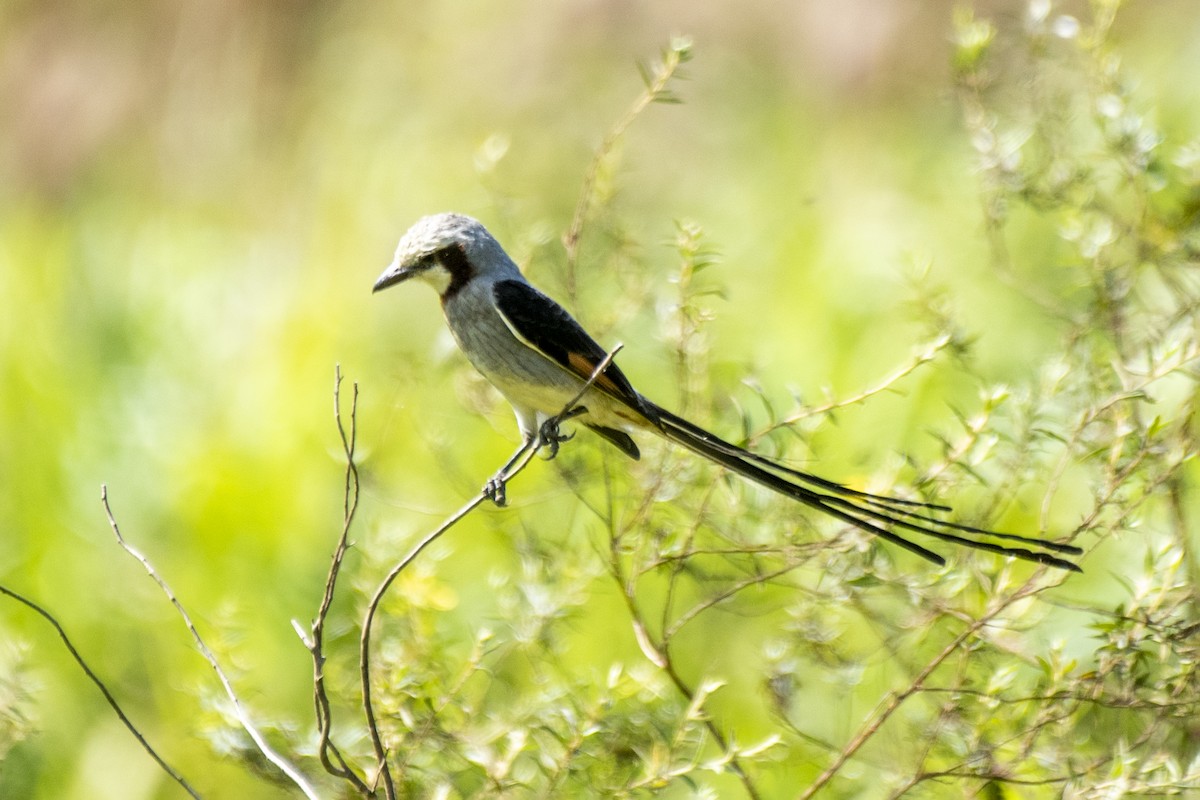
x,y
657,76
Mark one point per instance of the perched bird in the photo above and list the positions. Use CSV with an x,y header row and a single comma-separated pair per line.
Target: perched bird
x,y
539,358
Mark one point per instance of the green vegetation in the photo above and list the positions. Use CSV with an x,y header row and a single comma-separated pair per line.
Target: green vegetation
x,y
948,256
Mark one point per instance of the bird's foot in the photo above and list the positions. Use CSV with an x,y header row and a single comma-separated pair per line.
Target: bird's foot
x,y
550,437
495,489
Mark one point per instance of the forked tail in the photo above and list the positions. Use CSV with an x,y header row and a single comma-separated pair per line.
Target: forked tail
x,y
877,514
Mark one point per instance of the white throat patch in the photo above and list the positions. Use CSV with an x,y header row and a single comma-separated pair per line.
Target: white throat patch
x,y
438,277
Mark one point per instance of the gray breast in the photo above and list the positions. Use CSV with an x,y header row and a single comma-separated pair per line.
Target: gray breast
x,y
490,345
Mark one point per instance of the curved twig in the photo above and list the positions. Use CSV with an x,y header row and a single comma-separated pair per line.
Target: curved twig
x,y
293,774
509,471
314,640
108,696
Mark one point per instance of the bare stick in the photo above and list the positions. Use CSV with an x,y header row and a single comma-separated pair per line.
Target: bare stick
x,y
279,761
327,751
108,696
511,470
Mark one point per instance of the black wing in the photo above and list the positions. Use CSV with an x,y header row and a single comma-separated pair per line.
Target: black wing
x,y
546,326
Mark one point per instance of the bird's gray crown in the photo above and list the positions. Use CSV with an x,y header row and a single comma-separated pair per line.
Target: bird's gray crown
x,y
436,233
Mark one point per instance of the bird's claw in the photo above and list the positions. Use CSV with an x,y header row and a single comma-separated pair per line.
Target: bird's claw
x,y
495,490
551,437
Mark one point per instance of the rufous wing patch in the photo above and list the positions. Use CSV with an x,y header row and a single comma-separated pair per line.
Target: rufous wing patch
x,y
583,366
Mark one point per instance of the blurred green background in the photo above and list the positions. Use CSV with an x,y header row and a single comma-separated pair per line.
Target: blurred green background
x,y
196,197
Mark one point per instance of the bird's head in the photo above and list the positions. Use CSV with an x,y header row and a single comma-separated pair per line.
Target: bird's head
x,y
447,251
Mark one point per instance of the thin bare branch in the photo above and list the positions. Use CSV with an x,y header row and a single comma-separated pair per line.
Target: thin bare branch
x,y
510,470
108,695
327,751
292,773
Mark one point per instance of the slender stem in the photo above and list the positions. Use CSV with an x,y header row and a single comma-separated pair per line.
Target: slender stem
x,y
315,640
108,696
522,459
293,774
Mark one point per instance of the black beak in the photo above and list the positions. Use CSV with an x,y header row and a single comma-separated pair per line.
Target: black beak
x,y
393,275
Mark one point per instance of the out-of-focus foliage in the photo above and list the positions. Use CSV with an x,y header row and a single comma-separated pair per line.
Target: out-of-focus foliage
x,y
964,236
